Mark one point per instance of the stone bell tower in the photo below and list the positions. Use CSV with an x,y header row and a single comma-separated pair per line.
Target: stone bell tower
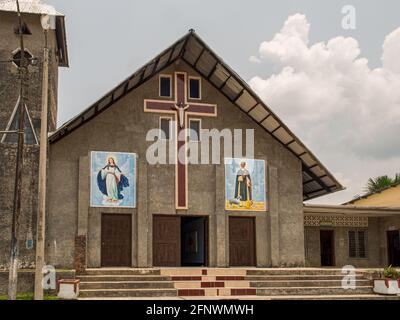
x,y
10,100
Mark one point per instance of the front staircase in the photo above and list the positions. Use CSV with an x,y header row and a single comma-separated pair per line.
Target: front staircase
x,y
227,283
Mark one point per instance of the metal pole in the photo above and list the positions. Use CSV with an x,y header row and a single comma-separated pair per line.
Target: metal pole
x,y
13,275
40,237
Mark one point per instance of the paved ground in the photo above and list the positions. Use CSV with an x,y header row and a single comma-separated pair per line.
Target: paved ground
x,y
337,297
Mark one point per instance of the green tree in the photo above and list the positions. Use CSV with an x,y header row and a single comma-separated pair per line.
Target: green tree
x,y
381,182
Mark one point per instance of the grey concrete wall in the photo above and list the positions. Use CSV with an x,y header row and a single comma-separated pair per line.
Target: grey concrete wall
x,y
376,245
9,92
386,224
312,246
26,280
123,128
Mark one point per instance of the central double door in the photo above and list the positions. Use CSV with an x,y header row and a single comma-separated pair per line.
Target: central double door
x,y
183,241
180,241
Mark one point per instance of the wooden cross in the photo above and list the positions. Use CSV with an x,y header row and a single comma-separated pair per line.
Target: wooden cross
x,y
181,109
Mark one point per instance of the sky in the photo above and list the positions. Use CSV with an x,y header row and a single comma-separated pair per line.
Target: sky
x,y
338,89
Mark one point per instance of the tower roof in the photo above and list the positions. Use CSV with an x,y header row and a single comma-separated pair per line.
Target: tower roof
x,y
28,6
41,8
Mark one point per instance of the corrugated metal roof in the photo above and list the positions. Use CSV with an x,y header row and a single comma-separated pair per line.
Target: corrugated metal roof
x,y
317,180
344,210
367,195
29,6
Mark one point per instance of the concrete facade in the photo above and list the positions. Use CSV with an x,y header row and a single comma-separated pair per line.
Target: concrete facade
x,y
123,128
375,222
9,93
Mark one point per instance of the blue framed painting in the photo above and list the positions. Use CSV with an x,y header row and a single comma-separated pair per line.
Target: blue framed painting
x,y
113,179
245,188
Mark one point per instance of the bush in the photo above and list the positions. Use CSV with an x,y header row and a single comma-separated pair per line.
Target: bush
x,y
391,273
28,296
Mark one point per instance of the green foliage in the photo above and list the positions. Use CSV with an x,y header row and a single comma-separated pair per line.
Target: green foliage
x,y
391,273
381,182
28,296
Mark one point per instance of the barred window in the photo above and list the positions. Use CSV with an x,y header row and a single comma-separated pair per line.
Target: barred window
x,y
195,129
25,30
165,86
358,244
13,124
194,88
165,128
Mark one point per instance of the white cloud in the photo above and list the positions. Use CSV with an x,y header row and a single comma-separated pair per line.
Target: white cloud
x,y
391,51
255,59
346,112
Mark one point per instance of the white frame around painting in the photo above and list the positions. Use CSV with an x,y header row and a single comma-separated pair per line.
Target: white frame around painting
x,y
245,209
132,185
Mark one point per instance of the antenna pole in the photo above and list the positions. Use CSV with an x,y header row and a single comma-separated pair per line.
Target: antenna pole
x,y
40,237
13,275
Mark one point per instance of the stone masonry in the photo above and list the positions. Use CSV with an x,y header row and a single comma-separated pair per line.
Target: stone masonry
x,y
9,93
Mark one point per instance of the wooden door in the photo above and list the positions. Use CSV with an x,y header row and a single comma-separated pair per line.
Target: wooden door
x,y
166,241
242,241
393,239
116,240
327,245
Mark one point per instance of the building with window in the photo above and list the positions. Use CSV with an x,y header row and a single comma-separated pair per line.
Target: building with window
x,y
10,102
111,201
362,235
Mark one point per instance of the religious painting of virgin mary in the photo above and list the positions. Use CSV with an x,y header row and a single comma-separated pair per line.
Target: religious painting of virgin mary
x,y
245,185
113,179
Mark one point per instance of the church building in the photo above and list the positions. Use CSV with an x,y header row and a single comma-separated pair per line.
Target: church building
x,y
144,177
236,212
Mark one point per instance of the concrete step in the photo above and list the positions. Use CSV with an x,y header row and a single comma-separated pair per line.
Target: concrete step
x,y
263,284
301,291
210,284
337,297
289,277
126,285
259,278
296,272
121,293
307,297
305,283
99,278
271,291
203,271
120,271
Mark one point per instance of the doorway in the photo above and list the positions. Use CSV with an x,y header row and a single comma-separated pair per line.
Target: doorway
x,y
393,241
193,241
327,245
242,249
180,241
116,240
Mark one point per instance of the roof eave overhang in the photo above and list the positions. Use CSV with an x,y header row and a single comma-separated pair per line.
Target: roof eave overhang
x,y
341,210
61,35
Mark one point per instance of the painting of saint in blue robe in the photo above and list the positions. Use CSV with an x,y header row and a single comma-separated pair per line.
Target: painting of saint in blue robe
x,y
245,185
113,180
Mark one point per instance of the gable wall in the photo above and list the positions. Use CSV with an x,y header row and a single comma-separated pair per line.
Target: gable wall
x,y
123,127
